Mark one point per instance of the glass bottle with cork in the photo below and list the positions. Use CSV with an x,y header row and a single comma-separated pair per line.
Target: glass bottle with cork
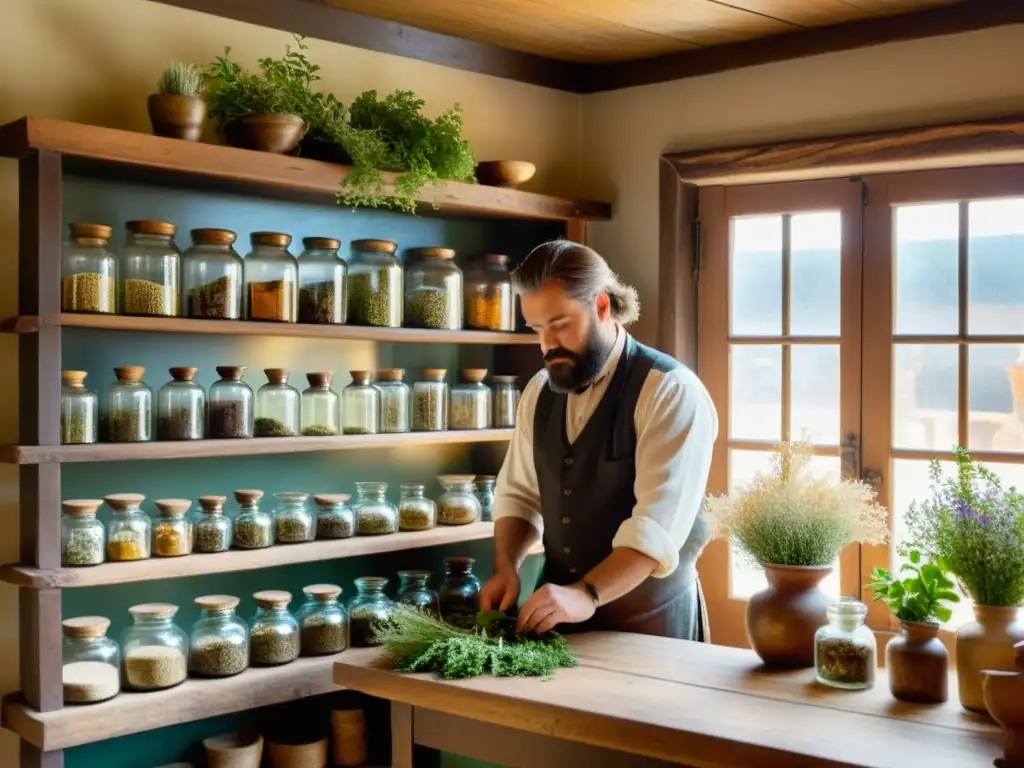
x,y
90,661
433,289
370,604
395,397
231,404
181,407
323,621
323,282
150,270
457,505
211,285
459,594
277,406
430,401
79,410
273,631
82,536
470,402
375,284
219,641
483,486
213,528
415,511
172,531
154,648
130,406
128,529
271,279
320,406
505,396
293,522
490,305
88,271
360,405
374,513
253,527
335,519
845,650
414,590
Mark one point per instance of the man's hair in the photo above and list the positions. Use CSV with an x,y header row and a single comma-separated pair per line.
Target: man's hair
x,y
582,273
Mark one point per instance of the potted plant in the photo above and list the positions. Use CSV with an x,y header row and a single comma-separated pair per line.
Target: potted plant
x,y
177,110
974,528
794,523
917,661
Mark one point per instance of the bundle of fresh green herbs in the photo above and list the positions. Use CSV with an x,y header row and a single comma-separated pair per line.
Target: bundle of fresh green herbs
x,y
416,641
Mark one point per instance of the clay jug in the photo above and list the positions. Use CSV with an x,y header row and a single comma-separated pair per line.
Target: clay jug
x,y
985,643
782,619
1004,697
918,664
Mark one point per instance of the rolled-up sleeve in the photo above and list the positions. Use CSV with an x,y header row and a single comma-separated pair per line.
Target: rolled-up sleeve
x,y
676,427
516,492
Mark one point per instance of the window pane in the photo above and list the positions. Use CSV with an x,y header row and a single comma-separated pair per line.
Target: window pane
x,y
926,269
925,391
995,285
755,281
994,426
814,273
814,393
755,392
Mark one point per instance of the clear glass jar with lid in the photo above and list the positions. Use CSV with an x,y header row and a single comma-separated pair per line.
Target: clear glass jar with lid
x,y
211,284
323,621
414,590
320,406
271,279
375,284
219,641
334,517
273,631
457,505
79,410
360,406
505,396
395,397
150,270
213,528
91,661
415,511
88,271
277,406
154,648
172,531
370,604
323,282
130,406
459,594
231,404
82,536
490,304
430,401
293,522
374,513
128,529
470,402
433,289
253,528
845,651
483,485
181,407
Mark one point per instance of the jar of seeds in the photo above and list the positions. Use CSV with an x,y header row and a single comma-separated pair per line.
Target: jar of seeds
x,y
457,505
323,282
130,406
155,649
414,590
369,606
506,401
293,522
79,410
213,528
415,511
459,595
430,401
91,662
219,642
254,528
360,406
128,530
273,631
88,271
334,518
374,513
844,649
211,285
483,486
172,531
323,621
277,406
181,407
490,303
271,279
375,284
395,397
470,406
150,270
320,406
231,404
82,537
433,289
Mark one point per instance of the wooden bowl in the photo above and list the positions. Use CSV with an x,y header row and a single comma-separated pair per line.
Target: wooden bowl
x,y
505,173
234,750
278,134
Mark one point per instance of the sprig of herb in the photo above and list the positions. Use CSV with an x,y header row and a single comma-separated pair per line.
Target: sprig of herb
x,y
922,596
181,78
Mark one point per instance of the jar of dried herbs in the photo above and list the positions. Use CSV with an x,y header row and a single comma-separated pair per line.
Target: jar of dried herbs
x,y
430,401
334,517
433,289
181,407
277,406
271,279
253,528
91,661
154,648
273,631
323,621
369,607
150,270
82,536
128,530
231,404
323,282
375,284
360,406
845,651
374,513
88,271
172,531
457,505
79,410
414,590
459,594
483,486
130,406
213,528
320,406
415,511
470,402
211,285
293,522
505,397
219,641
490,305
395,398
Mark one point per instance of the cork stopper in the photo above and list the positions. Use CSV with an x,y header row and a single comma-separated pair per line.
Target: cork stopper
x,y
119,502
485,479
183,374
496,259
172,507
331,499
86,626
248,496
360,377
277,375
153,611
81,507
459,563
320,379
209,236
322,591
430,253
456,479
434,374
510,380
274,239
131,374
272,598
217,602
292,497
152,227
325,243
212,505
231,372
474,375
74,378
374,246
390,374
91,234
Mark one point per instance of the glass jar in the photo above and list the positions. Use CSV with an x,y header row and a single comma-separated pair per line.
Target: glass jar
x,y
130,406
273,631
211,285
490,305
369,605
293,522
360,406
82,537
430,401
375,284
334,517
323,621
88,271
79,410
150,270
155,649
394,400
90,661
415,511
213,528
323,282
459,595
219,642
470,403
253,528
271,279
277,406
414,590
844,649
506,400
172,532
433,289
231,404
484,488
374,513
128,530
320,406
181,407
457,505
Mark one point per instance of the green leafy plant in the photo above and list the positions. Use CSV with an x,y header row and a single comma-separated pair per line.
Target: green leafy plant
x,y
921,596
181,78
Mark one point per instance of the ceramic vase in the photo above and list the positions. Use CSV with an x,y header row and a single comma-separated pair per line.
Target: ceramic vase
x,y
918,664
782,619
985,643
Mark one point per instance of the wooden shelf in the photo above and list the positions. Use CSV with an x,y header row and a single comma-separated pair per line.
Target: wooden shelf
x,y
92,149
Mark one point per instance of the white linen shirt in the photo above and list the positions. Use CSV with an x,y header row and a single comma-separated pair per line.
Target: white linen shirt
x,y
676,428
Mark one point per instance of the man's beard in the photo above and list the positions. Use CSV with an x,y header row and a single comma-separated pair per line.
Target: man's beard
x,y
565,377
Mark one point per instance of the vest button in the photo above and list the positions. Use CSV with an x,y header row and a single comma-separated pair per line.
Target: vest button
x,y
567,550
567,492
566,520
568,462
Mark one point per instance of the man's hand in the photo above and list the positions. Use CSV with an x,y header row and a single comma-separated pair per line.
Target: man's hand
x,y
500,592
551,605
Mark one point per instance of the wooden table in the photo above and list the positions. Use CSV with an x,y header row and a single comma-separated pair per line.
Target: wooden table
x,y
668,702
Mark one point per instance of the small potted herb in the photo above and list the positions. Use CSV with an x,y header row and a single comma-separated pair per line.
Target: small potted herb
x,y
917,660
177,110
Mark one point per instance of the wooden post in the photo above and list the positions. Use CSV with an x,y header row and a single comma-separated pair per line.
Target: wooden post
x,y
401,735
33,757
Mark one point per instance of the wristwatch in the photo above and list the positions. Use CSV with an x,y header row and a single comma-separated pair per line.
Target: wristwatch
x,y
591,590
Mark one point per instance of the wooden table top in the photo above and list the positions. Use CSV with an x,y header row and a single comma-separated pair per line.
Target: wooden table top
x,y
700,705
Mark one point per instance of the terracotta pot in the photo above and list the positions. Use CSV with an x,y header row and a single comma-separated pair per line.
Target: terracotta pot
x,y
234,750
1004,698
278,134
309,755
985,643
176,116
918,664
782,619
